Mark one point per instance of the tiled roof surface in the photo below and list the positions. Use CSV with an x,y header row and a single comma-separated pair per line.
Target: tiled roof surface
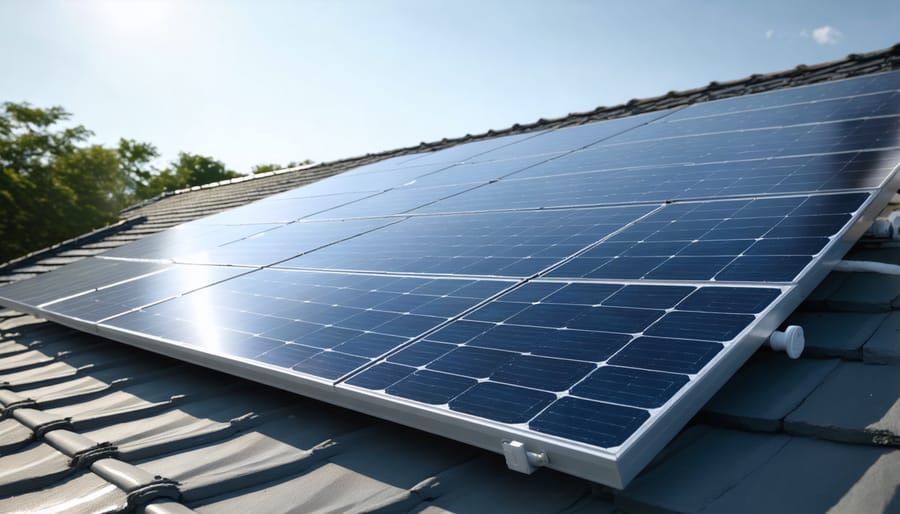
x,y
89,425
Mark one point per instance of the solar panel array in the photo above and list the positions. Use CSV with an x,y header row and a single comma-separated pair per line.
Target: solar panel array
x,y
582,290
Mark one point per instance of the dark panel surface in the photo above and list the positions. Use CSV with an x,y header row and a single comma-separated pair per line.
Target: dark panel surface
x,y
79,277
548,352
321,324
512,244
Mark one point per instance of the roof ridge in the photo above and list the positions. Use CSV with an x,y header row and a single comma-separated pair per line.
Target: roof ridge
x,y
858,64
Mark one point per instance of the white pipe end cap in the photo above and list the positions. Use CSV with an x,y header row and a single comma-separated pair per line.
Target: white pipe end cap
x,y
791,341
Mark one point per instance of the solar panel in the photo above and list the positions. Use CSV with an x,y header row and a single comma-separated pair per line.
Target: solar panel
x,y
576,293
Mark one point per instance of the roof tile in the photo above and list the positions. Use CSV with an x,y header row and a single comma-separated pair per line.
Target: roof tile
x,y
85,493
699,466
866,292
813,476
765,390
836,334
884,346
858,403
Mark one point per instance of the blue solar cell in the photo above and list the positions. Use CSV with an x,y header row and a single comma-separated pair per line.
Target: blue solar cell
x,y
688,268
249,347
420,354
468,151
666,354
370,344
577,294
791,246
591,178
287,355
310,312
554,315
393,202
471,362
778,241
770,268
541,372
380,376
503,403
811,93
477,172
76,278
186,239
281,243
730,299
117,299
595,423
565,344
553,142
616,319
822,111
636,387
431,387
649,297
330,365
700,325
513,244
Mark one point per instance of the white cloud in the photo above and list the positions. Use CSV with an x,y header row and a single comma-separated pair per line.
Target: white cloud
x,y
826,35
770,33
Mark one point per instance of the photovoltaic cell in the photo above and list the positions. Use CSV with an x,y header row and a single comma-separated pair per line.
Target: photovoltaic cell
x,y
808,113
574,289
752,240
79,277
282,243
185,240
790,175
495,244
278,210
320,324
123,297
361,180
466,152
812,93
569,139
552,349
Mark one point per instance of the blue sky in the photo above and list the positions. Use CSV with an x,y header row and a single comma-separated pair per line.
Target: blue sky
x,y
273,81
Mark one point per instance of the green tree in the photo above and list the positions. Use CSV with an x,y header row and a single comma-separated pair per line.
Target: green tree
x,y
187,171
135,162
52,186
265,168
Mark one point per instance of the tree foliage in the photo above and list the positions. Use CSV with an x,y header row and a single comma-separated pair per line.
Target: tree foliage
x,y
187,171
267,167
54,185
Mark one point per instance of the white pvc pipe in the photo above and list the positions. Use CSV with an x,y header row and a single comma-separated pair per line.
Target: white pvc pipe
x,y
868,267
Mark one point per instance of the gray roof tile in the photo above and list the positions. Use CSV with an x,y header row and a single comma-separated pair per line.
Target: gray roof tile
x,y
699,466
13,435
857,403
33,468
83,493
884,345
836,334
812,476
765,390
866,292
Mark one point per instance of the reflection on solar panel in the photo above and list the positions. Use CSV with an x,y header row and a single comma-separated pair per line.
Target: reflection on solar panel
x,y
577,293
